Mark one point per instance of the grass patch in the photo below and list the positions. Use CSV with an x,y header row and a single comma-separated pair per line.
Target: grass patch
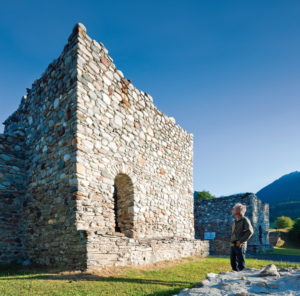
x,y
284,251
280,229
161,279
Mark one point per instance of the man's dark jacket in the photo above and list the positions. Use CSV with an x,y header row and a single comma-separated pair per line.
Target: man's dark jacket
x,y
242,230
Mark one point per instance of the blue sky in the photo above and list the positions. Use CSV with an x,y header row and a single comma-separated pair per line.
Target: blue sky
x,y
227,71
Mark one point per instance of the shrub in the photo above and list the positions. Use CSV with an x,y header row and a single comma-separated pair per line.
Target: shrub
x,y
284,222
294,233
203,195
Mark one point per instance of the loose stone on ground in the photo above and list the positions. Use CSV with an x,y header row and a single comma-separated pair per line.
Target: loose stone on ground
x,y
251,281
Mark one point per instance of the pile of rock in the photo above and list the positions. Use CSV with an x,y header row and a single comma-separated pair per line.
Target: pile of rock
x,y
251,281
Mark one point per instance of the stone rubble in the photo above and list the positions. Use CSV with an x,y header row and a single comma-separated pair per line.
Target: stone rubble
x,y
249,282
269,270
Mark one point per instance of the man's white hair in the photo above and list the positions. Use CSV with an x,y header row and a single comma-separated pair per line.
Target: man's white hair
x,y
241,208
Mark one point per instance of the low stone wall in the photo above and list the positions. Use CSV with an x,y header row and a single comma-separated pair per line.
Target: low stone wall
x,y
115,250
274,238
222,247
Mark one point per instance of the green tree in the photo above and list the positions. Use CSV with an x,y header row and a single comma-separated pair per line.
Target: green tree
x,y
294,233
203,195
284,222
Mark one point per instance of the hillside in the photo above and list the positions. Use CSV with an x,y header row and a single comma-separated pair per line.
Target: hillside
x,y
283,195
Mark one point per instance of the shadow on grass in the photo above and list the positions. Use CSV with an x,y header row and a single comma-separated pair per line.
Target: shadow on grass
x,y
21,275
166,293
89,277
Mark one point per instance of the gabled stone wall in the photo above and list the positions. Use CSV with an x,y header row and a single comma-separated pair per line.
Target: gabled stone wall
x,y
107,176
120,131
134,168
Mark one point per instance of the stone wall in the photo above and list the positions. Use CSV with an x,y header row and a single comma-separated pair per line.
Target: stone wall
x,y
47,116
12,176
134,168
107,250
124,140
106,174
215,216
275,239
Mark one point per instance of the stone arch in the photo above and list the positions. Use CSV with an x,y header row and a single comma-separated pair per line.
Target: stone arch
x,y
121,168
123,204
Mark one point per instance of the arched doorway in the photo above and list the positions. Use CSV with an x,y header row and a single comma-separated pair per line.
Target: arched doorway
x,y
123,204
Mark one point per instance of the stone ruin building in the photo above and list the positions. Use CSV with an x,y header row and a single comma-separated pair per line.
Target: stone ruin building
x,y
213,219
92,174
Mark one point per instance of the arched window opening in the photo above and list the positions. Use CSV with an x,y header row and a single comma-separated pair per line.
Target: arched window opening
x,y
117,228
260,234
123,204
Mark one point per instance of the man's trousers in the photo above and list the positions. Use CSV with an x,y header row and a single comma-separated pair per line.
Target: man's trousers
x,y
237,257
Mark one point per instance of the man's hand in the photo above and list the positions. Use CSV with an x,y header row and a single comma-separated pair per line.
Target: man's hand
x,y
238,243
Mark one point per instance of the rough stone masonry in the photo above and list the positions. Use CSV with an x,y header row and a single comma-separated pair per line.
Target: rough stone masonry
x,y
213,219
92,174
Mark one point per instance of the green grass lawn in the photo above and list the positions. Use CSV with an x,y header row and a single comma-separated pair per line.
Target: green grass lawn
x,y
284,251
167,278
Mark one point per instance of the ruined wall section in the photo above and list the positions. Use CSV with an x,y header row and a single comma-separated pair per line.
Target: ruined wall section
x,y
214,216
48,116
121,131
261,222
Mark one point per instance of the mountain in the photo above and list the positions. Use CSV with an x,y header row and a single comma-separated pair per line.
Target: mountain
x,y
283,195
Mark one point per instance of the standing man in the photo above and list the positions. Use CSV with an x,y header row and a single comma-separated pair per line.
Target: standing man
x,y
242,230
